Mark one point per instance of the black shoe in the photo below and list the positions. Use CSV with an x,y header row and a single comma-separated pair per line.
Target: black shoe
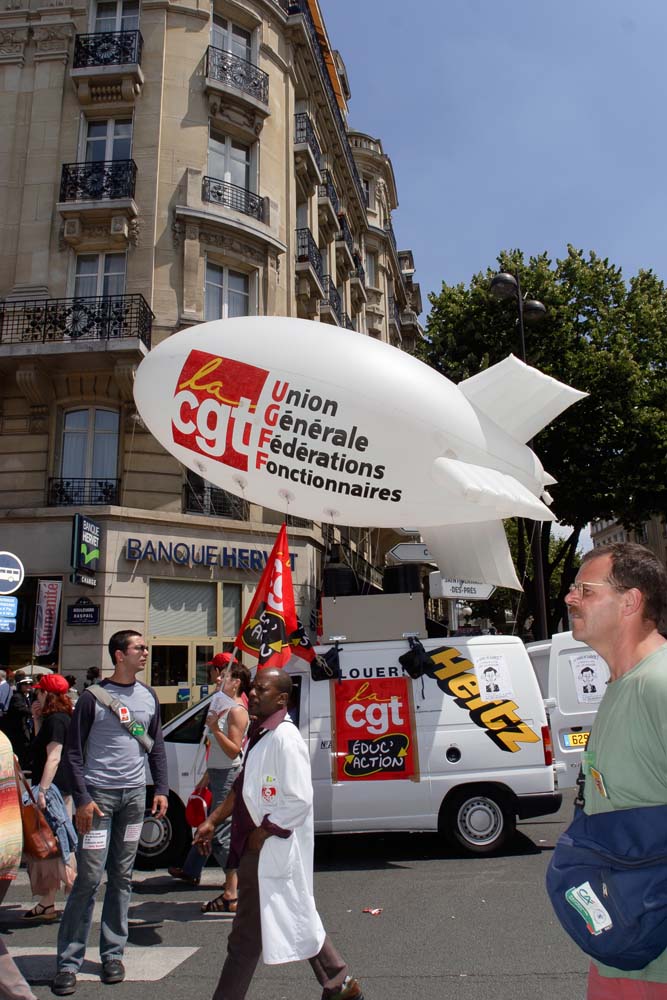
x,y
64,984
113,971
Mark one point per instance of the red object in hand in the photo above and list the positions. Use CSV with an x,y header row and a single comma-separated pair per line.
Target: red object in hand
x,y
198,806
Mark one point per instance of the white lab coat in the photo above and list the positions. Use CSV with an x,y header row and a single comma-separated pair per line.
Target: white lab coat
x,y
277,782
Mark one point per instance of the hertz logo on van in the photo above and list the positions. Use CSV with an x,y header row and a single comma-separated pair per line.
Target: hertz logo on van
x,y
455,676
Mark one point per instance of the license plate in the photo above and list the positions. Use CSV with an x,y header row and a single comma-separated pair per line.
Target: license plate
x,y
575,739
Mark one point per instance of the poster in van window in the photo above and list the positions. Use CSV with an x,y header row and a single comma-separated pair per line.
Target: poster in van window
x,y
591,675
374,732
493,677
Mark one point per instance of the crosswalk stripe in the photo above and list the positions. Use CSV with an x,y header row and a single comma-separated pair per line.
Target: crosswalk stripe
x,y
142,965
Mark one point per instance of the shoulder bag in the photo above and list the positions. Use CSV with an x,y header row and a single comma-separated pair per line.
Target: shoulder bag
x,y
607,881
39,840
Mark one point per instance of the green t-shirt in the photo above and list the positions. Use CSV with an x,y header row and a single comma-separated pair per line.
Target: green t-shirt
x,y
628,748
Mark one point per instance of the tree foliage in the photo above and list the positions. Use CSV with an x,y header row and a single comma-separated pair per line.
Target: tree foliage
x,y
600,334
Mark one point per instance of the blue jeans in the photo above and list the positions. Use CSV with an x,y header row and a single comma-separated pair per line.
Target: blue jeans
x,y
105,847
220,781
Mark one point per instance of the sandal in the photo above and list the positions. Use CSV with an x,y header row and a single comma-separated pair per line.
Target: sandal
x,y
42,913
219,905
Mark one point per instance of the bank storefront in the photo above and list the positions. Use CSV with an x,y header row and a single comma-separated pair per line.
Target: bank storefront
x,y
184,585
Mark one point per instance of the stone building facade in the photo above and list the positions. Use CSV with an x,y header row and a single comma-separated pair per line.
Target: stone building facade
x,y
165,162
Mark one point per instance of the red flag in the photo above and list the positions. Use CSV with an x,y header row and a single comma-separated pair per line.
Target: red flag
x,y
271,620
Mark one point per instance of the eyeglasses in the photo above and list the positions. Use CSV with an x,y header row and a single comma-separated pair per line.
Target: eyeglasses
x,y
140,649
579,589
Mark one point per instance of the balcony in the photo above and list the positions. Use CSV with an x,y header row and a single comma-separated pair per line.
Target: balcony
x,y
331,310
345,262
82,492
309,274
394,313
98,192
391,236
106,67
105,180
328,207
358,284
231,196
118,322
301,7
238,91
307,155
411,330
203,498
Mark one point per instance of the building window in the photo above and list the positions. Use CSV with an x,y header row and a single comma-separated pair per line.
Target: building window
x,y
230,38
229,160
368,192
99,274
116,15
108,139
89,445
371,269
227,293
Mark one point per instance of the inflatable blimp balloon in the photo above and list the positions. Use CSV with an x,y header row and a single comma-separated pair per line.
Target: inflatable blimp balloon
x,y
331,425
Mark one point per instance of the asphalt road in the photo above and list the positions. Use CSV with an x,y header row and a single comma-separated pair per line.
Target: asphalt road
x,y
451,926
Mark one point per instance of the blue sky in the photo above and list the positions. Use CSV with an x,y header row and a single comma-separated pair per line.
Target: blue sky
x,y
514,123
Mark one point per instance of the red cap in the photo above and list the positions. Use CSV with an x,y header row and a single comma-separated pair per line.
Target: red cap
x,y
52,684
221,660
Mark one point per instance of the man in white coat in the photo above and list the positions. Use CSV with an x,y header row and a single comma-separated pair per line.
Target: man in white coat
x,y
271,805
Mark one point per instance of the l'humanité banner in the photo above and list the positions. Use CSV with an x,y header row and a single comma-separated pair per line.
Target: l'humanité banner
x,y
374,733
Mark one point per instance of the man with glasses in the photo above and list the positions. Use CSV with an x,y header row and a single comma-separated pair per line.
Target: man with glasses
x,y
617,606
109,739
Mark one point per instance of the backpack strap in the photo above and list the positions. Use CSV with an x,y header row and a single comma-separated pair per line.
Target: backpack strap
x,y
123,714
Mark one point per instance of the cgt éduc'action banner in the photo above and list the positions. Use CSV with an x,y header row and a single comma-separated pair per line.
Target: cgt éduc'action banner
x,y
374,732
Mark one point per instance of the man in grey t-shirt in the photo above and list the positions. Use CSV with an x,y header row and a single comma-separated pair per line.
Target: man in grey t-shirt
x,y
107,769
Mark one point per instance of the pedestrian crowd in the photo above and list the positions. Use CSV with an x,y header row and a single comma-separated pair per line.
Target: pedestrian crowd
x,y
88,774
86,755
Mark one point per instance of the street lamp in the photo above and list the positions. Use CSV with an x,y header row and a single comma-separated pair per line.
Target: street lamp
x,y
508,286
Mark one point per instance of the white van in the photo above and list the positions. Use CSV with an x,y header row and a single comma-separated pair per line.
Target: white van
x,y
464,749
572,680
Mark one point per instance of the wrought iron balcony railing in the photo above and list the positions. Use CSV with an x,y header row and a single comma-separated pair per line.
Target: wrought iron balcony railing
x,y
107,48
359,271
304,132
233,196
394,312
298,522
327,190
332,298
82,492
98,180
91,318
347,322
345,234
389,230
203,498
301,7
233,71
308,250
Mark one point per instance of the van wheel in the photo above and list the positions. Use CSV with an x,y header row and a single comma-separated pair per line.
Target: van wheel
x,y
163,842
478,820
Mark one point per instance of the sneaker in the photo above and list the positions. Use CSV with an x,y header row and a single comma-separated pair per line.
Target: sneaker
x,y
183,875
113,971
350,990
64,984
